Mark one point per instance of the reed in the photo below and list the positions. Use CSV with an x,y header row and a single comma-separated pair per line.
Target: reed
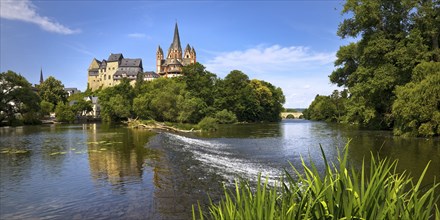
x,y
341,193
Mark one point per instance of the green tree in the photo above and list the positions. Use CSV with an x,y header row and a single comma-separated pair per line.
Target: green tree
x,y
52,90
416,109
64,113
225,117
200,83
116,102
236,95
46,108
81,106
17,98
395,36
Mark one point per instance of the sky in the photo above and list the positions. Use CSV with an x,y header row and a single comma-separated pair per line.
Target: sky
x,y
291,44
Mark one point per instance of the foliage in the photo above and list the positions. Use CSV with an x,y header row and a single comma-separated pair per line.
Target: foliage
x,y
116,101
250,100
208,124
225,117
394,37
341,193
46,107
52,90
199,93
17,98
64,113
81,106
327,108
416,109
200,83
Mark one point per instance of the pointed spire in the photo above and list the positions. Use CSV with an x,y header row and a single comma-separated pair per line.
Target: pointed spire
x,y
41,76
176,39
159,50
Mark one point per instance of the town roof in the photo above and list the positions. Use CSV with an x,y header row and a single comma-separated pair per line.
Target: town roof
x,y
131,63
115,57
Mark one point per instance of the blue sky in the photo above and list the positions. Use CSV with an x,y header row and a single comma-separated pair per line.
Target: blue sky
x,y
291,44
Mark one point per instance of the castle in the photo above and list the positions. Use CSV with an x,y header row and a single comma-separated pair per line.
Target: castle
x,y
107,73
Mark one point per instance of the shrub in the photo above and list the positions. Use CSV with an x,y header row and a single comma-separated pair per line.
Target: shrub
x,y
64,113
225,117
208,124
342,193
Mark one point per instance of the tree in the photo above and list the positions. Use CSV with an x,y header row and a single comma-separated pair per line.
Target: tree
x,y
416,109
81,106
52,90
46,108
200,83
395,36
17,97
236,95
64,113
116,102
225,117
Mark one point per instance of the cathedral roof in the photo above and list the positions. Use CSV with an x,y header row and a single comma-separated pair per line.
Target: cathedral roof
x,y
176,40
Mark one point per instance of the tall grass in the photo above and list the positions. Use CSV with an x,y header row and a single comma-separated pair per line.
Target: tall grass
x,y
341,193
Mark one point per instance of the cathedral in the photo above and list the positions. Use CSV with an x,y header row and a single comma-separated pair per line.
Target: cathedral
x,y
171,65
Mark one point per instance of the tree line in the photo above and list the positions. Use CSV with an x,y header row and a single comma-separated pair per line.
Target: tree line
x,y
197,96
391,75
21,103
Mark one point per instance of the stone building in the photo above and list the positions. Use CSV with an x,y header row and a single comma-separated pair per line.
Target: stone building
x,y
107,73
171,65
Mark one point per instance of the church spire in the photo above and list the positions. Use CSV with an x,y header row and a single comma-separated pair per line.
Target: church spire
x,y
176,40
41,76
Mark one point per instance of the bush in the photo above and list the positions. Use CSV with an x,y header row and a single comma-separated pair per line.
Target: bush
x,y
225,117
208,124
64,113
342,193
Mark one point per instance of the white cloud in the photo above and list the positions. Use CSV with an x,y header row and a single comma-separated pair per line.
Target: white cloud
x,y
299,71
270,60
24,10
137,35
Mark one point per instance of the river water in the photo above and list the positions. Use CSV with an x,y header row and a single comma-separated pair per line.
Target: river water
x,y
97,171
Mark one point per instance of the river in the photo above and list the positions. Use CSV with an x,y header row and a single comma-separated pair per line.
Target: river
x,y
98,171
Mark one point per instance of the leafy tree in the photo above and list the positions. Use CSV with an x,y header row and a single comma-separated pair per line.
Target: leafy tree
x,y
208,124
116,102
46,108
64,113
200,83
327,108
236,95
82,106
270,100
395,36
52,90
17,97
416,109
225,117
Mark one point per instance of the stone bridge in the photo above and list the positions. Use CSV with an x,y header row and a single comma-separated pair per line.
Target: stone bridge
x,y
295,114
